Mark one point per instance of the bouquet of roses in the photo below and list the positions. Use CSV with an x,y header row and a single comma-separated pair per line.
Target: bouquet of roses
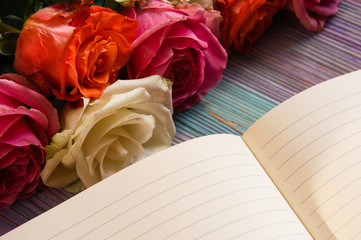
x,y
68,121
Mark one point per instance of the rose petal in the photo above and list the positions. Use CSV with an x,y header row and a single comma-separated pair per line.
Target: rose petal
x,y
92,161
305,19
148,51
214,56
181,35
20,134
8,102
7,199
161,114
82,168
124,119
20,177
7,120
158,87
56,174
112,163
34,100
48,32
103,20
159,64
17,169
37,38
109,133
105,106
36,120
19,80
155,19
328,10
9,154
58,142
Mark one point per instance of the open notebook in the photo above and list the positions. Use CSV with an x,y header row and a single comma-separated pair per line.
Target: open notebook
x,y
295,174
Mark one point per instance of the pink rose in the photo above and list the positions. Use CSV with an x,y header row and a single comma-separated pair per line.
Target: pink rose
x,y
313,13
179,45
27,123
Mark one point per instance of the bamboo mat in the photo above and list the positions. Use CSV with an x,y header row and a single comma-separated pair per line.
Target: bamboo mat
x,y
285,61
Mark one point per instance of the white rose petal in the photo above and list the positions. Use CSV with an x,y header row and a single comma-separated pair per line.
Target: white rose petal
x,y
131,120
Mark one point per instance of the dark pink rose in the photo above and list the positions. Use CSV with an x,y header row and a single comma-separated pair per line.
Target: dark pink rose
x,y
27,123
313,13
179,45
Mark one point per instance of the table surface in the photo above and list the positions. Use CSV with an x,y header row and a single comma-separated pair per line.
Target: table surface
x,y
285,61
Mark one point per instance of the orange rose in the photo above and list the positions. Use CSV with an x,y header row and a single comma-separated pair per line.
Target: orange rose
x,y
244,21
74,53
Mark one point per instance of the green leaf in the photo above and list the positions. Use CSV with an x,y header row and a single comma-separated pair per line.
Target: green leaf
x,y
112,5
51,2
7,28
14,18
8,43
99,2
13,8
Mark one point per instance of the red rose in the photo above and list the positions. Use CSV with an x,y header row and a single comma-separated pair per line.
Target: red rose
x,y
244,21
27,123
74,56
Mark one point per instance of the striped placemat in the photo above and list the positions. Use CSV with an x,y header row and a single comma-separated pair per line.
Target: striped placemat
x,y
285,61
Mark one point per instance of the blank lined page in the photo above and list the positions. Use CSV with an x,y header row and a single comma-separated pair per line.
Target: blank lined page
x,y
311,146
207,188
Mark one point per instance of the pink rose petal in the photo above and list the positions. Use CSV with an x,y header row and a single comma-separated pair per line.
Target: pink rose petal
x,y
177,44
147,49
19,80
32,99
312,14
20,134
27,123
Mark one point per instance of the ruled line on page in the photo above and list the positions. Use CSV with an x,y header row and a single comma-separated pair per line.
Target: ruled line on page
x,y
198,205
316,139
306,115
317,154
311,127
323,167
144,186
338,210
261,227
130,224
333,195
345,224
245,217
201,204
215,213
209,200
287,236
355,236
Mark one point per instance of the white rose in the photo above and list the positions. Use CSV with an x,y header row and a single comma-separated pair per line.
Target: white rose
x,y
131,120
